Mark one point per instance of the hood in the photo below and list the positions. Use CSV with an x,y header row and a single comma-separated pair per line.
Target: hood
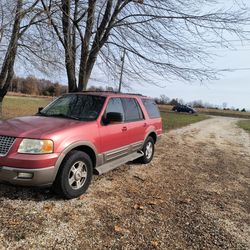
x,y
36,126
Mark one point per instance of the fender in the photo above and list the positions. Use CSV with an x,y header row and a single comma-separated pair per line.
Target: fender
x,y
68,149
149,132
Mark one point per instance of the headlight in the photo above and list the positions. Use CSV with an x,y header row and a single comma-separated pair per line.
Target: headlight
x,y
33,146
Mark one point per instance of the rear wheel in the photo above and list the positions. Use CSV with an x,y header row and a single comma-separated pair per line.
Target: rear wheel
x,y
74,176
148,150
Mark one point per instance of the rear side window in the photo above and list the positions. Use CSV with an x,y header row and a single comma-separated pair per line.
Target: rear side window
x,y
151,107
132,110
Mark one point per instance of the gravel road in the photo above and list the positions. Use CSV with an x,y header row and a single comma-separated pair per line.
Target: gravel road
x,y
194,195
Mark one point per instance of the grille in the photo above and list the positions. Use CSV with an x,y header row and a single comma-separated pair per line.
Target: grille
x,y
5,144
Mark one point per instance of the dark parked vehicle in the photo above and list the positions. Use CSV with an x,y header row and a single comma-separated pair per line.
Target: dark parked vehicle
x,y
184,108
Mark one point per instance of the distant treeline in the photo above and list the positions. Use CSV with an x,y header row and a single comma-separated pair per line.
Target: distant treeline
x,y
164,100
33,86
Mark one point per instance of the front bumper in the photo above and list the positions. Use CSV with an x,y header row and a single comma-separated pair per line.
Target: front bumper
x,y
36,177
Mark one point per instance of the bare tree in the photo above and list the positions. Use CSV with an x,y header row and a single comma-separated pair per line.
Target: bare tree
x,y
224,105
162,38
7,69
164,99
15,22
166,38
22,41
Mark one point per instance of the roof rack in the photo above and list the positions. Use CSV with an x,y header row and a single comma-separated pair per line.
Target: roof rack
x,y
132,94
109,91
100,91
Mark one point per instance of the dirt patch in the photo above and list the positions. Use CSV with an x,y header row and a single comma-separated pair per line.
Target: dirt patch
x,y
194,195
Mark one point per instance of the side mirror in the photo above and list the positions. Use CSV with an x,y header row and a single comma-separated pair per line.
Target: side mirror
x,y
113,117
40,109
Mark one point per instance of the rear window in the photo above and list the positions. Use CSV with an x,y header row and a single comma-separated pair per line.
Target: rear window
x,y
151,107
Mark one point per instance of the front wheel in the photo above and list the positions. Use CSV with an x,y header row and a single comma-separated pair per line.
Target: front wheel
x,y
148,150
74,176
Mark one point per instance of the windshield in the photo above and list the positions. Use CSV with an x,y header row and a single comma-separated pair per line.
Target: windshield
x,y
75,106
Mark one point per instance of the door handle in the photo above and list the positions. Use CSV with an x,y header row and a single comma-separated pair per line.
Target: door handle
x,y
124,129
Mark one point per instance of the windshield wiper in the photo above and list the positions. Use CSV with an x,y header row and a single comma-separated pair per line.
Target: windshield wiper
x,y
41,113
63,116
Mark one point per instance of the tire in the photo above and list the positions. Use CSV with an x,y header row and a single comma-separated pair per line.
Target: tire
x,y
74,176
148,154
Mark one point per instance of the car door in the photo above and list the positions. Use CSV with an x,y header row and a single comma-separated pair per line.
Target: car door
x,y
135,122
114,136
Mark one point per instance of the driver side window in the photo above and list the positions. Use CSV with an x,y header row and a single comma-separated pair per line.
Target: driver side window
x,y
115,105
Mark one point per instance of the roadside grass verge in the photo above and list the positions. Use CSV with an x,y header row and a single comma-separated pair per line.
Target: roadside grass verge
x,y
172,120
226,113
245,124
215,112
14,106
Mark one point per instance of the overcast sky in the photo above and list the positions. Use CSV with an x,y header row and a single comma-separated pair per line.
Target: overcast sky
x,y
232,87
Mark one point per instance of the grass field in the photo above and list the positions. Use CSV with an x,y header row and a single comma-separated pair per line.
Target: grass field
x,y
14,106
227,113
19,106
172,120
245,125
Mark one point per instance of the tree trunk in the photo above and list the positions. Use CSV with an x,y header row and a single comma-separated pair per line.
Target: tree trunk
x,y
69,51
7,70
88,59
70,68
83,74
85,80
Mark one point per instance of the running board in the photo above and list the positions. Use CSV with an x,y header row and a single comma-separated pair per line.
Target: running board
x,y
116,163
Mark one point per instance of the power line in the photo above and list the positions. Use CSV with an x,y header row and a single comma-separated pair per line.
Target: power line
x,y
228,50
231,40
235,69
238,40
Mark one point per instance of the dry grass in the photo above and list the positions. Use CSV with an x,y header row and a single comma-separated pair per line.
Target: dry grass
x,y
245,124
14,106
227,113
172,120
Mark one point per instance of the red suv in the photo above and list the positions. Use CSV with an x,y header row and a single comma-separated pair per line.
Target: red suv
x,y
75,135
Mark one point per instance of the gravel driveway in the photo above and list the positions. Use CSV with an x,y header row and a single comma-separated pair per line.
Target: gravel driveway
x,y
194,195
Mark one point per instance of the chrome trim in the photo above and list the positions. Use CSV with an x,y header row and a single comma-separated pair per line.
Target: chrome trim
x,y
3,155
117,153
137,146
122,151
118,162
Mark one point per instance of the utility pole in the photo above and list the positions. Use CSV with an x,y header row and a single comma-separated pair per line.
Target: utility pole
x,y
122,68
